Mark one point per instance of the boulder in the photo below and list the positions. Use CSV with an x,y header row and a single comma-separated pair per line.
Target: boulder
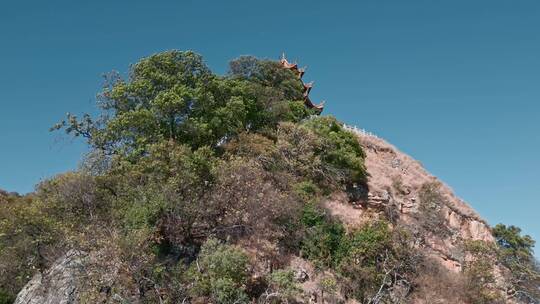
x,y
58,285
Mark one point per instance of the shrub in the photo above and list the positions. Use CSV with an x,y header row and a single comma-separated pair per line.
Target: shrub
x,y
164,190
340,149
369,261
245,201
220,273
319,150
323,236
6,298
328,287
478,271
252,145
29,241
373,260
282,287
307,191
296,153
74,197
431,203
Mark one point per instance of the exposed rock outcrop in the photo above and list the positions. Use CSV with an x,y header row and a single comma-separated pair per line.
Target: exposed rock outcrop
x,y
396,178
58,285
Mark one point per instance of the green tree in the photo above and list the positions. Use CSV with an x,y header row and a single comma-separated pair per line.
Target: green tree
x,y
268,73
174,96
516,253
510,239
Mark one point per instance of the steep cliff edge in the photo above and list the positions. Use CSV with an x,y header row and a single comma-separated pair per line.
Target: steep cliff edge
x,y
395,188
397,179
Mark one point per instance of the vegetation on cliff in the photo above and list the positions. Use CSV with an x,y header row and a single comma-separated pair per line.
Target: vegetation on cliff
x,y
201,188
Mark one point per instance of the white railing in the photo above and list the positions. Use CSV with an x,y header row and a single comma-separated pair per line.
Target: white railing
x,y
360,131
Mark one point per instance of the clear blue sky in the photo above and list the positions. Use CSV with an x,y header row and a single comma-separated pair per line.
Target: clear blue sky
x,y
456,84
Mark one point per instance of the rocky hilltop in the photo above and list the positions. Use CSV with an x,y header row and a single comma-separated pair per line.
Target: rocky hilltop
x,y
395,185
202,188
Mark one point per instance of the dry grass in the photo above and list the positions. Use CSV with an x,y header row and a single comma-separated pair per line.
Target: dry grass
x,y
437,285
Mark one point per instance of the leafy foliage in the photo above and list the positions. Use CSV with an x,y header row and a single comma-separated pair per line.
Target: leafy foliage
x,y
219,274
269,74
340,149
479,273
332,159
369,260
516,253
324,237
174,96
282,287
29,238
328,286
6,298
510,239
374,259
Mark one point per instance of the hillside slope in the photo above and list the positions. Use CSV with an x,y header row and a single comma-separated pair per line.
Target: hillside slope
x,y
234,189
395,185
391,169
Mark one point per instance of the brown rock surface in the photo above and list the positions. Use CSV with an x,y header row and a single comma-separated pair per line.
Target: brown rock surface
x,y
395,181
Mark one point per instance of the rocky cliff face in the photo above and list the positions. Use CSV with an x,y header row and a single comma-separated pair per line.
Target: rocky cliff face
x,y
397,180
395,185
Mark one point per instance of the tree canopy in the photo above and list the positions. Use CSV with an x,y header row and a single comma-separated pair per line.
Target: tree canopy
x,y
174,96
510,239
